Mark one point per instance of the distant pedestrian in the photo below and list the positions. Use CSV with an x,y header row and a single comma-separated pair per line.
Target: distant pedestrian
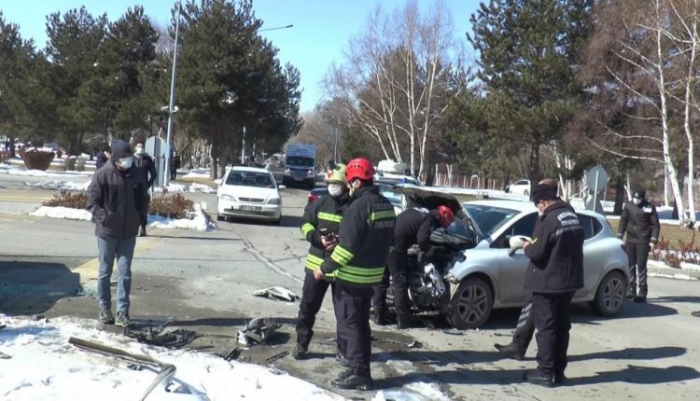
x,y
145,162
102,157
117,198
641,223
175,164
554,274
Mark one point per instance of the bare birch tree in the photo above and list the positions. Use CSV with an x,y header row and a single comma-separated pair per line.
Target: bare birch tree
x,y
394,77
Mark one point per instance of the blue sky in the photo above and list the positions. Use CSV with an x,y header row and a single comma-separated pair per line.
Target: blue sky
x,y
321,29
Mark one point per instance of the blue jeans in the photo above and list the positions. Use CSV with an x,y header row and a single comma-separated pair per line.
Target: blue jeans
x,y
123,251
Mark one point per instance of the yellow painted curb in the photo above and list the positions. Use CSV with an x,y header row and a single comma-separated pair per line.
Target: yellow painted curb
x,y
88,271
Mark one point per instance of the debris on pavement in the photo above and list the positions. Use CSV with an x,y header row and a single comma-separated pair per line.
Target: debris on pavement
x,y
279,293
258,331
232,355
155,335
277,356
5,356
412,344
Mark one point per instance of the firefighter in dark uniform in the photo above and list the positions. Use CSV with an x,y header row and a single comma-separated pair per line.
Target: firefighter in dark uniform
x,y
525,330
554,274
413,227
366,234
640,221
320,226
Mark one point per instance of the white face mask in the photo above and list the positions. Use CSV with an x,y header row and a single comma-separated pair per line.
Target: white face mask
x,y
139,150
637,201
125,163
335,189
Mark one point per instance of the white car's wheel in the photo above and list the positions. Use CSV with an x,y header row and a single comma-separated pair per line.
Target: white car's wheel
x,y
610,295
471,304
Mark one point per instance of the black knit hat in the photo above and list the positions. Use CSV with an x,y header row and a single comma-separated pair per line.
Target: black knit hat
x,y
120,149
543,192
640,193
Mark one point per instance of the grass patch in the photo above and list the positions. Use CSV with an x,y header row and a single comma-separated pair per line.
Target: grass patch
x,y
173,206
198,180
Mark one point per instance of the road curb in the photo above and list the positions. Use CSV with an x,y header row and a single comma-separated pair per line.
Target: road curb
x,y
658,268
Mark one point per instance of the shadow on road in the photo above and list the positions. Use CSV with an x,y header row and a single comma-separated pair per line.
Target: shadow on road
x,y
680,299
632,353
291,221
196,238
31,288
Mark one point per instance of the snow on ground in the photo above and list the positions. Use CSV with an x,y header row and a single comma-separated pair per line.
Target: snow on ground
x,y
60,185
60,212
199,222
43,366
197,173
22,171
193,187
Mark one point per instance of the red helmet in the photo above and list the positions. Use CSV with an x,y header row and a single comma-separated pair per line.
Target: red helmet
x,y
359,168
446,216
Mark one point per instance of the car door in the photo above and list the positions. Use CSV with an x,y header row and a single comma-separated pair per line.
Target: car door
x,y
512,268
594,255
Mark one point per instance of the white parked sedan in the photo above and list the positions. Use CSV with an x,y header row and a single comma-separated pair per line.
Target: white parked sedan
x,y
521,187
249,193
489,278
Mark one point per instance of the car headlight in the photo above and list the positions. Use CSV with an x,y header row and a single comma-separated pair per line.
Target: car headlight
x,y
274,201
228,198
311,173
287,171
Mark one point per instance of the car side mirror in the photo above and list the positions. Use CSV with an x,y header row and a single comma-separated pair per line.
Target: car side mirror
x,y
281,187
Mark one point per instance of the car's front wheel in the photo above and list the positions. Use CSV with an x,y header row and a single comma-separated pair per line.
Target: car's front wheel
x,y
610,295
471,304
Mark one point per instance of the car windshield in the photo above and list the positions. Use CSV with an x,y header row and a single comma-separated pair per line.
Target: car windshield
x,y
490,218
299,161
250,179
397,181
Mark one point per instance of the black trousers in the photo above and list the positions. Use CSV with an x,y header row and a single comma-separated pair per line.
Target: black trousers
x,y
526,326
173,173
638,255
354,333
312,296
553,322
398,265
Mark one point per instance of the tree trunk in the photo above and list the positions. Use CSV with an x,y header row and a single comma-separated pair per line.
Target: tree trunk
x,y
214,160
534,175
619,195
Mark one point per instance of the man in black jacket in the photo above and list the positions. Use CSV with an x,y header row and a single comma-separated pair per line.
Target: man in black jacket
x,y
366,234
525,330
117,198
641,222
320,226
413,227
554,274
103,157
143,161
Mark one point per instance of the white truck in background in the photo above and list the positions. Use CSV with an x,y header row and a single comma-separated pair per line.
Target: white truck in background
x,y
300,165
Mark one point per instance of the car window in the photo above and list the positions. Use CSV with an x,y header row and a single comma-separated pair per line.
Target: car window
x,y
591,225
489,218
392,196
250,179
521,182
525,226
298,161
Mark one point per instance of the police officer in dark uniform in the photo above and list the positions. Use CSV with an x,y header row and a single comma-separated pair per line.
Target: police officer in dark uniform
x,y
554,274
640,221
143,161
320,226
413,227
525,330
366,234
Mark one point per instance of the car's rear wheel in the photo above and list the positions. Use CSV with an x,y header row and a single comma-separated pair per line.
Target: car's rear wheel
x,y
220,217
610,295
471,304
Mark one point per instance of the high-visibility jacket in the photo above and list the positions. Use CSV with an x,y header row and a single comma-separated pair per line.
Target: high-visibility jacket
x,y
366,234
325,213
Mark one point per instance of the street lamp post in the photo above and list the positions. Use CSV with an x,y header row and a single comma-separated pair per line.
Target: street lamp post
x,y
243,149
172,100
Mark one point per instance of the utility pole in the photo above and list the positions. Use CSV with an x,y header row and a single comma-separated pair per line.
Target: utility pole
x,y
169,146
335,144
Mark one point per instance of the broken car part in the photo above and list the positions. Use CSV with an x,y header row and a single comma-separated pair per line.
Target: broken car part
x,y
279,293
155,336
277,356
258,331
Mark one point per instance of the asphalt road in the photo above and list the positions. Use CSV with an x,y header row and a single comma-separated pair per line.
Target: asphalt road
x,y
205,280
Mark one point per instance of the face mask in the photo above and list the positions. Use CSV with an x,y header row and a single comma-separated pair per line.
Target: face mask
x,y
335,189
139,150
126,162
637,201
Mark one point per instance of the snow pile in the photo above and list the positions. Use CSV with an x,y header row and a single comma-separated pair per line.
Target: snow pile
x,y
21,171
60,212
45,367
191,188
197,173
60,185
419,391
199,221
